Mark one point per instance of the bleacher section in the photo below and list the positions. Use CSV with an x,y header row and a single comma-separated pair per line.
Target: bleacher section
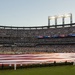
x,y
21,40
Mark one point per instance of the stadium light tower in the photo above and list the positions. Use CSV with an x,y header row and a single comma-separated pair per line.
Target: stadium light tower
x,y
70,18
60,16
56,20
50,18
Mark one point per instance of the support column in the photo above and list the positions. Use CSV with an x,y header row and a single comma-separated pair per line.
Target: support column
x,y
63,22
10,66
48,20
71,19
14,66
21,65
55,22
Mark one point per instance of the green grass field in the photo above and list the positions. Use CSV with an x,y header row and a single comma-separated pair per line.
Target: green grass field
x,y
54,70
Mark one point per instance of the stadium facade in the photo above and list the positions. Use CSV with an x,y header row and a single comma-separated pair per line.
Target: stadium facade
x,y
51,38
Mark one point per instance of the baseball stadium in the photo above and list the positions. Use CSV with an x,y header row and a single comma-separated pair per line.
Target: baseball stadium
x,y
39,50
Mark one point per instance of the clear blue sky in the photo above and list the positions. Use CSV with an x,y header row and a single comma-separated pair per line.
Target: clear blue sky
x,y
33,12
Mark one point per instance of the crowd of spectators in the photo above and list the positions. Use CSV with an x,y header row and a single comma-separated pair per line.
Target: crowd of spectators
x,y
25,41
38,49
38,32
